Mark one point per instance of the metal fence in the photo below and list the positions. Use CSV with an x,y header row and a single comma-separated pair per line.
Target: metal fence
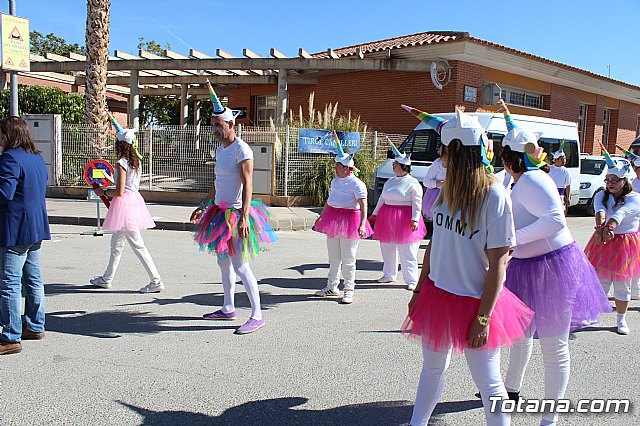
x,y
181,158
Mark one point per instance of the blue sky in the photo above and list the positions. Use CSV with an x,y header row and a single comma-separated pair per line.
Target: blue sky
x,y
587,34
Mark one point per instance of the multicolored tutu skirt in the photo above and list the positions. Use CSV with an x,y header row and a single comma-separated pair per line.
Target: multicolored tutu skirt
x,y
618,259
217,231
428,200
561,287
441,320
343,223
393,225
128,212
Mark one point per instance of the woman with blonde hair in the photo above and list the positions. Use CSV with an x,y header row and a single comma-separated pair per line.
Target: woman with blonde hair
x,y
460,304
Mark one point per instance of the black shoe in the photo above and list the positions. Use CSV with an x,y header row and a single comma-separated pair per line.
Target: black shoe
x,y
477,394
514,396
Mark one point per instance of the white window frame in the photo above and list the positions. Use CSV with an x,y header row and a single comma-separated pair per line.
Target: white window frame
x,y
519,97
582,123
606,124
270,110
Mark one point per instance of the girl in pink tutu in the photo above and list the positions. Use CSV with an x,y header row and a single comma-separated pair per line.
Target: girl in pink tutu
x,y
128,213
397,222
460,305
548,271
635,184
614,248
344,221
433,181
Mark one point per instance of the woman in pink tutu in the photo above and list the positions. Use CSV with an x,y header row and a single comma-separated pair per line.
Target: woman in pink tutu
x,y
128,214
433,181
344,221
548,271
614,248
460,305
397,222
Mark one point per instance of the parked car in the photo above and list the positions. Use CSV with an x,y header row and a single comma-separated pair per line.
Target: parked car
x,y
423,145
593,170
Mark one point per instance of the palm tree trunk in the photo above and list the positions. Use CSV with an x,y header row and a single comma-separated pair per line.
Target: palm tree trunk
x,y
97,39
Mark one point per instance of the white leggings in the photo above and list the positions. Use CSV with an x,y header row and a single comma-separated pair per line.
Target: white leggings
x,y
621,289
557,366
229,267
137,244
342,255
484,366
408,260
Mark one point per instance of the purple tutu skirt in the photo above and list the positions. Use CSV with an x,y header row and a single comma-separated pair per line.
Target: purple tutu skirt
x,y
393,225
128,212
428,200
343,223
562,289
441,320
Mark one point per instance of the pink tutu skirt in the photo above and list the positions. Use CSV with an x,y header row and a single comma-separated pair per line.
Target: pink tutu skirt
x,y
393,225
428,200
217,231
442,320
128,212
618,259
343,223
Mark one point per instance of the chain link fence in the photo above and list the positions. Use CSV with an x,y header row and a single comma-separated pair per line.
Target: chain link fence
x,y
181,158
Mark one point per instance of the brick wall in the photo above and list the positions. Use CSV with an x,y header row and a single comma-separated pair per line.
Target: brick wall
x,y
627,121
564,103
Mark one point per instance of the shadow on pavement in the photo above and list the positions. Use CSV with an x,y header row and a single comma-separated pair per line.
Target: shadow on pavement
x,y
59,288
317,283
361,265
594,328
113,324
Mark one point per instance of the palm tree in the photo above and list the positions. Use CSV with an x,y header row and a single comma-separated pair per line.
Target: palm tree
x,y
97,39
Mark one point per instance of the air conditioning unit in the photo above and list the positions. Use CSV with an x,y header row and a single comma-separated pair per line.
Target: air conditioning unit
x,y
490,93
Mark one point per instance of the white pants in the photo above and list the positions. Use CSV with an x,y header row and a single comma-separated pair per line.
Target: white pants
x,y
229,268
484,366
635,289
621,289
557,366
137,244
342,256
408,261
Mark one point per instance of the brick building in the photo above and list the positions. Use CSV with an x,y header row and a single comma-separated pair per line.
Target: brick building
x,y
472,73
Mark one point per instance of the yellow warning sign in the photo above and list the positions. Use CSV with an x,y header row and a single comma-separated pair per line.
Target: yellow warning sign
x,y
15,42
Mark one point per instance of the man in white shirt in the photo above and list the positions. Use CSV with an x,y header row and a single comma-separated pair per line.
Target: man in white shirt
x,y
561,176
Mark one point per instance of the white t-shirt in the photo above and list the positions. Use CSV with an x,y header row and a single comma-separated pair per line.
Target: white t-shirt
x,y
636,184
459,262
626,215
560,175
132,180
228,176
344,193
541,226
435,173
402,191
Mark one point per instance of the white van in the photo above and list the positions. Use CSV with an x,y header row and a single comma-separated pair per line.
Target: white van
x,y
423,144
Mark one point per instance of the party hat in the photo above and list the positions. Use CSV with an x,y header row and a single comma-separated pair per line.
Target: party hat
x,y
218,108
630,155
433,121
607,156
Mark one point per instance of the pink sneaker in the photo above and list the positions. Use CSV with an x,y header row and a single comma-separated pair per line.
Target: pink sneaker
x,y
250,326
219,315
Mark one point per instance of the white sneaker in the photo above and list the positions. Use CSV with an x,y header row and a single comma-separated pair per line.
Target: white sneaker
x,y
347,297
412,287
623,328
386,279
152,288
100,282
328,292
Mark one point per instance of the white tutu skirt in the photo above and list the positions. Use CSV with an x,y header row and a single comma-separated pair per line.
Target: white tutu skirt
x,y
128,212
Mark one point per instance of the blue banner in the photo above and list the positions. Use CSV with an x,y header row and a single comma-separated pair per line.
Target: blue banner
x,y
322,141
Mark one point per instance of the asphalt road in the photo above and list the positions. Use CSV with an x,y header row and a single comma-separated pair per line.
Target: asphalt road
x,y
119,357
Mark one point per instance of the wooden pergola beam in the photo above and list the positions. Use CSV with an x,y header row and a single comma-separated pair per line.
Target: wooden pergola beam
x,y
191,79
314,64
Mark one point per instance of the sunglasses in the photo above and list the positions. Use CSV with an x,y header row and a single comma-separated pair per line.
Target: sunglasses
x,y
612,180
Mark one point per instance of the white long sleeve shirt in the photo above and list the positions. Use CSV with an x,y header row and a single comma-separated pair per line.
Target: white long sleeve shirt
x,y
538,214
435,173
626,215
402,191
344,193
636,184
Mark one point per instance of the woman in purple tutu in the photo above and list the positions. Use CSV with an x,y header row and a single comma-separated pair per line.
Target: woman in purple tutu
x,y
548,270
614,248
433,181
460,304
128,214
344,221
397,222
